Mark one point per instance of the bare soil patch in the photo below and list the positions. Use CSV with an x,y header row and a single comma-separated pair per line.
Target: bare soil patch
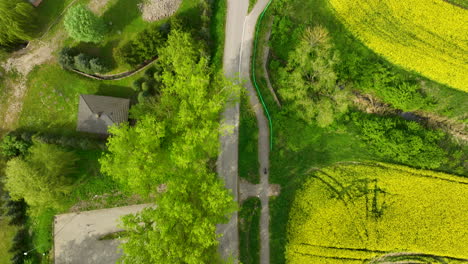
x,y
153,10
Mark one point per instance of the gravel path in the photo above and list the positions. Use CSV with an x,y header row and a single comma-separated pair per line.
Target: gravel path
x,y
240,29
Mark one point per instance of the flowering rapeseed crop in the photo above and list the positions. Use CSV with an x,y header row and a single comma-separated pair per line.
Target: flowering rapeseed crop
x,y
353,213
426,36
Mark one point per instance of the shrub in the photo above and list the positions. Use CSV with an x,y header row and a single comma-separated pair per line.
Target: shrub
x,y
84,25
136,85
401,141
66,58
142,48
11,146
82,62
145,86
141,97
40,178
71,59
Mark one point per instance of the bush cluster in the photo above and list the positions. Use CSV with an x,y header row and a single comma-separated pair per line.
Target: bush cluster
x,y
143,47
84,25
64,141
401,141
149,84
72,59
11,146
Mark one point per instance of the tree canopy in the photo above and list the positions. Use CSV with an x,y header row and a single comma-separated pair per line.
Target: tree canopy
x,y
16,22
40,178
84,25
174,142
308,82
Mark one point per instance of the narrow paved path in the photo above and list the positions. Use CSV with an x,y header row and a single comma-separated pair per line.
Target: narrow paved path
x,y
240,29
263,128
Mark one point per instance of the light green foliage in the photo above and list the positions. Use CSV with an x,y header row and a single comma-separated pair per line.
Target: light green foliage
x,y
308,84
182,227
84,25
380,208
41,176
401,141
17,19
173,142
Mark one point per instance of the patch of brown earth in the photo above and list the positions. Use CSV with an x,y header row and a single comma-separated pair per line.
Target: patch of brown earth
x,y
153,10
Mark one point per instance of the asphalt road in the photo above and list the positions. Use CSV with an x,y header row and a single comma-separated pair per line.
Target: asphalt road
x,y
240,29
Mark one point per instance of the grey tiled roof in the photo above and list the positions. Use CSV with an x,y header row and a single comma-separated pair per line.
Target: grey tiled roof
x,y
96,113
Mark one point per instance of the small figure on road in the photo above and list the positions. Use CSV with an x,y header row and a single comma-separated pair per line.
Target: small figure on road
x,y
264,171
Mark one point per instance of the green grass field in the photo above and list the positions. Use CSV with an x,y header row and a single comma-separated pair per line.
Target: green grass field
x,y
354,213
7,233
248,143
249,231
51,103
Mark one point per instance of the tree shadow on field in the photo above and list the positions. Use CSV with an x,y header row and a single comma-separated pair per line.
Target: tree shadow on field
x,y
121,14
115,91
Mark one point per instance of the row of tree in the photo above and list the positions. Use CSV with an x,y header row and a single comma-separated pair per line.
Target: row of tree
x,y
174,143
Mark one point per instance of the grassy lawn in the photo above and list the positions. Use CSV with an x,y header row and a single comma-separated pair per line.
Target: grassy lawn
x,y
7,233
248,143
51,103
218,24
249,231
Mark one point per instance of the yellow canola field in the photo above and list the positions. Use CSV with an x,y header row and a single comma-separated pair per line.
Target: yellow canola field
x,y
356,213
427,36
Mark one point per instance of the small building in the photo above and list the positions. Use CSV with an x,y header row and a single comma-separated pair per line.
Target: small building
x,y
97,113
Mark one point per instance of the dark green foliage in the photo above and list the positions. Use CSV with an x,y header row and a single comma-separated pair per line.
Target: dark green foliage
x,y
136,85
392,88
16,210
21,244
84,25
142,97
308,83
401,141
249,231
143,47
66,58
248,143
11,146
17,22
145,86
70,59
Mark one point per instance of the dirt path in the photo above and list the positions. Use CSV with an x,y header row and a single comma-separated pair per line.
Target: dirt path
x,y
240,28
262,122
23,62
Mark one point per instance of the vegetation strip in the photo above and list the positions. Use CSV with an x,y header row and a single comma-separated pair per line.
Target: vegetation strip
x,y
118,76
254,78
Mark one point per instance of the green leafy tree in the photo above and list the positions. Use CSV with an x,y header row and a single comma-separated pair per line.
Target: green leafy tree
x,y
182,229
40,178
11,146
308,84
84,25
401,141
17,20
173,142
